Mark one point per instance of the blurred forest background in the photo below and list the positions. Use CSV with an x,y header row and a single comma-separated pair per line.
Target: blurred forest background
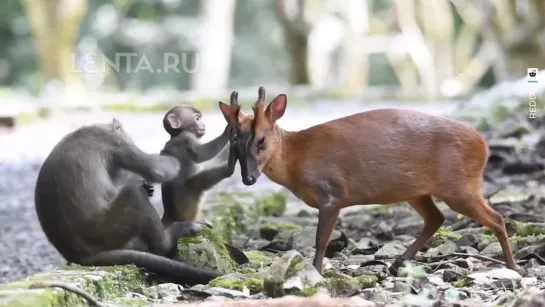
x,y
427,48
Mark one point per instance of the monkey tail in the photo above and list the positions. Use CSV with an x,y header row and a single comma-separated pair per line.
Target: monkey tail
x,y
175,271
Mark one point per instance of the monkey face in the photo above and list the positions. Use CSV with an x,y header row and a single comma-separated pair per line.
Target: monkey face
x,y
197,125
184,118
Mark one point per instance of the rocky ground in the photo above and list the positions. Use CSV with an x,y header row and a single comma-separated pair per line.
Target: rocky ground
x,y
457,267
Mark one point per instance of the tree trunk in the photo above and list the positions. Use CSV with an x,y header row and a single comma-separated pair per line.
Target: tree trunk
x,y
215,47
55,25
354,61
296,37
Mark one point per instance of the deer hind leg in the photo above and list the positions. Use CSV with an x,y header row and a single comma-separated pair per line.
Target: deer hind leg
x,y
474,206
433,219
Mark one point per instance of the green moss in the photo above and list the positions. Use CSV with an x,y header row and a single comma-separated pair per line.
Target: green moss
x,y
272,203
219,259
529,229
258,257
341,284
253,283
47,297
103,283
445,234
296,265
304,213
366,281
308,292
461,283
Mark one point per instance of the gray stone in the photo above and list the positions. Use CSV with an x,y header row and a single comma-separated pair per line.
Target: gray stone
x,y
217,291
290,264
444,249
500,278
390,251
468,239
495,251
357,259
452,275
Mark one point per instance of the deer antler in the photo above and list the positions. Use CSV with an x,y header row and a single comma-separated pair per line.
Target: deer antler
x,y
260,99
261,95
234,99
234,104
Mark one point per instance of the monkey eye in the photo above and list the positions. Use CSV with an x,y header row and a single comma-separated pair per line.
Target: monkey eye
x,y
261,141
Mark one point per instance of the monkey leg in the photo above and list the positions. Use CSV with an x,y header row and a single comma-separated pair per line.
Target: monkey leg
x,y
130,216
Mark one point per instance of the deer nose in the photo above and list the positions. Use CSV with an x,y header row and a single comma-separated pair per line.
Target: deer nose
x,y
250,180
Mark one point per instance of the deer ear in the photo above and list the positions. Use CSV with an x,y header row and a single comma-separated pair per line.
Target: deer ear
x,y
227,112
277,107
116,125
173,121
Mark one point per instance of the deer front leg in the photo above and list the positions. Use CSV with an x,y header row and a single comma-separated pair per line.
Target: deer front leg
x,y
327,218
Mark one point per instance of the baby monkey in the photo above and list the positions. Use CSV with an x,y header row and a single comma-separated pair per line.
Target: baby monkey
x,y
182,197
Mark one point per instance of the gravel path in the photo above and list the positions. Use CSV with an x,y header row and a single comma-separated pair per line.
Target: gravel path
x,y
24,249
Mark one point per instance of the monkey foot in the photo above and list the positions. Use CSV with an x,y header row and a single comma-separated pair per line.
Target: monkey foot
x,y
186,227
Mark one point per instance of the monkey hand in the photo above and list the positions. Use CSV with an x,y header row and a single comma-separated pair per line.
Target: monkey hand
x,y
232,161
149,188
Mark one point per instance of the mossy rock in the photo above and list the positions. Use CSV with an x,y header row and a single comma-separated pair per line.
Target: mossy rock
x,y
343,285
258,259
462,283
106,284
205,250
238,281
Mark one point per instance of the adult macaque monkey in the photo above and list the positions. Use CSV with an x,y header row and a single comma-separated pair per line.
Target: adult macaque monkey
x,y
182,197
94,212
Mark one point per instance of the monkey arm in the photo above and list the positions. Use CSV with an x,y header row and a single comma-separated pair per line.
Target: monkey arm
x,y
204,152
209,177
153,167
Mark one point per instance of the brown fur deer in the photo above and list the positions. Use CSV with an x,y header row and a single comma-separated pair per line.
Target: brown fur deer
x,y
382,156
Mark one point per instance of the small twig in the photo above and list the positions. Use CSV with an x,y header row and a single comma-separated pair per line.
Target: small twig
x,y
489,196
464,255
68,287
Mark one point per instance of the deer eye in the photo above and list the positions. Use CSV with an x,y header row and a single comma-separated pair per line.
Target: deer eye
x,y
261,141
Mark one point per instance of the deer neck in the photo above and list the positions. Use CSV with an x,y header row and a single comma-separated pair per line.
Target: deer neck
x,y
278,167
